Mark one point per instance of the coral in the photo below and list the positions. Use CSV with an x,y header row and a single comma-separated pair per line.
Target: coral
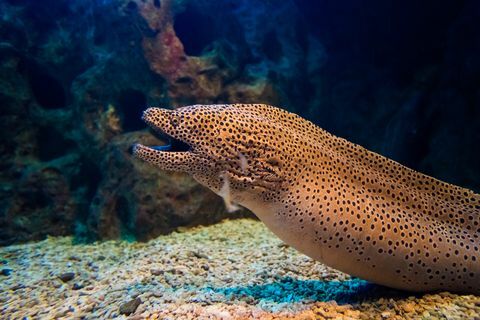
x,y
111,120
214,74
189,78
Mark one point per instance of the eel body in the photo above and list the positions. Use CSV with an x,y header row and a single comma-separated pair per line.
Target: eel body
x,y
331,199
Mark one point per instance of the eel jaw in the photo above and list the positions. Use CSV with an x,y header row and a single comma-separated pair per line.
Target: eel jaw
x,y
165,160
177,155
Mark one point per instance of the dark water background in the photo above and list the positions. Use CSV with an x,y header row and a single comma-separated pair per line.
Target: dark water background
x,y
401,78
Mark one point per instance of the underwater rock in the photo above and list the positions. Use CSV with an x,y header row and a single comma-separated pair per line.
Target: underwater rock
x,y
64,104
220,70
188,78
77,286
40,203
5,272
67,276
129,307
75,77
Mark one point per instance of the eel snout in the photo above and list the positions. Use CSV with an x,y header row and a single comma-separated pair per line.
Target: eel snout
x,y
176,155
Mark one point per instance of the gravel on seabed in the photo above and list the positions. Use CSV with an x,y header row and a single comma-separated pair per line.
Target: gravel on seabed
x,y
232,270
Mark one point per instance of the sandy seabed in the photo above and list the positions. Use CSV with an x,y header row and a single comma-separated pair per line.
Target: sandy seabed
x,y
233,270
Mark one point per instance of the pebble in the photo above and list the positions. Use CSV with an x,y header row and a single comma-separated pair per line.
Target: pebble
x,y
67,276
77,286
5,272
129,307
199,255
408,307
156,272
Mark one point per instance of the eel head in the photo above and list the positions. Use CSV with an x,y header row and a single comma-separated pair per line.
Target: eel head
x,y
219,145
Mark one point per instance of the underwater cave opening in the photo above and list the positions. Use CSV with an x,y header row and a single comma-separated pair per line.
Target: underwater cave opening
x,y
194,42
131,103
47,90
34,199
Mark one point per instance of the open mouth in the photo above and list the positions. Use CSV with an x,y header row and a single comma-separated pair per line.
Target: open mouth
x,y
173,144
176,154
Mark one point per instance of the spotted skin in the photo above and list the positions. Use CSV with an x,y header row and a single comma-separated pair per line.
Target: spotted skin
x,y
331,199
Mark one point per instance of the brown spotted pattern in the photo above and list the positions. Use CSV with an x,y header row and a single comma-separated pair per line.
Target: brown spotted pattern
x,y
335,201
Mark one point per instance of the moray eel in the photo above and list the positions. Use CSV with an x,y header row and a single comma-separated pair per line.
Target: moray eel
x,y
350,208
